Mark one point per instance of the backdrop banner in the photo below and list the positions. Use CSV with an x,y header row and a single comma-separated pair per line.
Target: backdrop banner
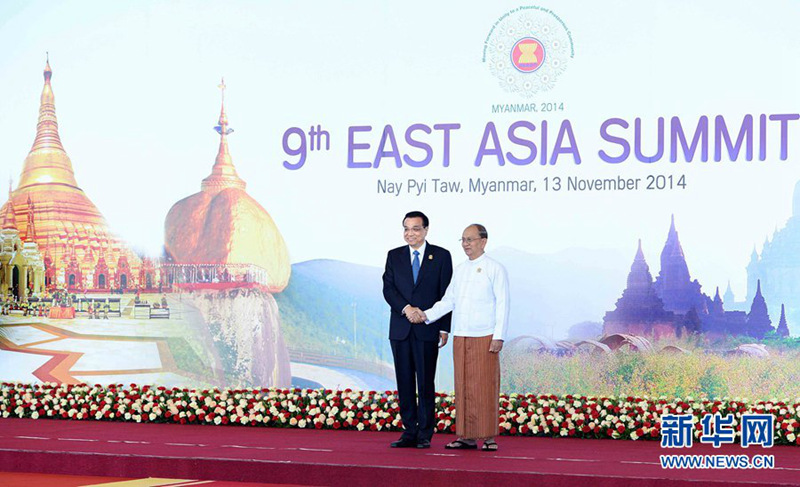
x,y
203,193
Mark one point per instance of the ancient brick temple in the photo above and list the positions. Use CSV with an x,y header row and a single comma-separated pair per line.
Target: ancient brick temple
x,y
674,304
777,268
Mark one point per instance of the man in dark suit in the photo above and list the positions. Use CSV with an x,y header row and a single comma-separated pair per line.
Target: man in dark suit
x,y
416,277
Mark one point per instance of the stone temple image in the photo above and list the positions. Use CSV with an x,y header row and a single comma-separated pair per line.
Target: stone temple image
x,y
674,304
777,268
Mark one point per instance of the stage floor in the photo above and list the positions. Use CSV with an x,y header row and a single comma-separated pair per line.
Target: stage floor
x,y
311,457
14,479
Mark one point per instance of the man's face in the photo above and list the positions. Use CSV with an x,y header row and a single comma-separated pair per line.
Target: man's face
x,y
413,232
472,243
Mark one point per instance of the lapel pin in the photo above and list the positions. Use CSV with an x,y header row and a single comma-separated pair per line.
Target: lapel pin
x,y
430,256
479,269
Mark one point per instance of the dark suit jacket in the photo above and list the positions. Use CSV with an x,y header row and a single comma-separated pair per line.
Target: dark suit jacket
x,y
436,269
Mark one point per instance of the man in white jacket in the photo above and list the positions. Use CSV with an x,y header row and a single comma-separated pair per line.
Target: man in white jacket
x,y
478,298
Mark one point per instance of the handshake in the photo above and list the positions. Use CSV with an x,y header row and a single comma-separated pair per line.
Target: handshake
x,y
415,315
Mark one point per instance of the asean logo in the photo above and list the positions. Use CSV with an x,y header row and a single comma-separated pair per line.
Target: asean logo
x,y
527,50
527,55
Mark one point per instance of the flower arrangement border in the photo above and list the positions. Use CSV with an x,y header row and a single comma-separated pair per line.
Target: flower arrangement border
x,y
629,418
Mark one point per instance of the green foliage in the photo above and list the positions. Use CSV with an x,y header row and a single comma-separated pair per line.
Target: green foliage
x,y
321,318
712,385
697,374
186,358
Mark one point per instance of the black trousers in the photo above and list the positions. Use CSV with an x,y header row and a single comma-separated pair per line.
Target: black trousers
x,y
415,368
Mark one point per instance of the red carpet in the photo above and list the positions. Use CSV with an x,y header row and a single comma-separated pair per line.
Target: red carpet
x,y
311,457
8,479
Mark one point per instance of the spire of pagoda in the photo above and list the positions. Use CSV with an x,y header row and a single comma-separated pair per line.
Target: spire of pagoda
x,y
47,129
674,284
783,327
765,247
674,273
729,297
223,174
758,322
672,247
9,216
47,161
754,256
30,230
716,305
639,276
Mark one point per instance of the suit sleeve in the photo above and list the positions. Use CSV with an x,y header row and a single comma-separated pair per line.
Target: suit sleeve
x,y
391,294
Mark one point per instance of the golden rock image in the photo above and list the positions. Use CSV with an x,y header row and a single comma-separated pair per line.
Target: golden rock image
x,y
221,234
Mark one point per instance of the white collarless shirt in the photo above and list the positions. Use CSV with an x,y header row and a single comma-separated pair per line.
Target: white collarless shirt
x,y
478,297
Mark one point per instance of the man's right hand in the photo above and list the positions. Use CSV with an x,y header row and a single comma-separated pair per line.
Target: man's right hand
x,y
415,315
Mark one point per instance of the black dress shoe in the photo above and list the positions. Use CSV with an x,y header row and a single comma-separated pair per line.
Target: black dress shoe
x,y
404,443
423,444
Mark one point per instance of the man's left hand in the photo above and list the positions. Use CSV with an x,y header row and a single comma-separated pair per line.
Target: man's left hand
x,y
442,339
496,346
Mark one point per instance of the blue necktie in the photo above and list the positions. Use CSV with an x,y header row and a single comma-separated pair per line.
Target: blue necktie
x,y
415,266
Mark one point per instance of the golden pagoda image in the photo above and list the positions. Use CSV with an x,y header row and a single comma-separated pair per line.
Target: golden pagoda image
x,y
68,226
221,236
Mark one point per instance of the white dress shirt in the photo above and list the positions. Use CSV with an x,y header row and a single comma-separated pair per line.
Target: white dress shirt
x,y
478,298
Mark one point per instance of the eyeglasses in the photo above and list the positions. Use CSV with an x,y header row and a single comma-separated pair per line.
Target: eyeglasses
x,y
469,240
